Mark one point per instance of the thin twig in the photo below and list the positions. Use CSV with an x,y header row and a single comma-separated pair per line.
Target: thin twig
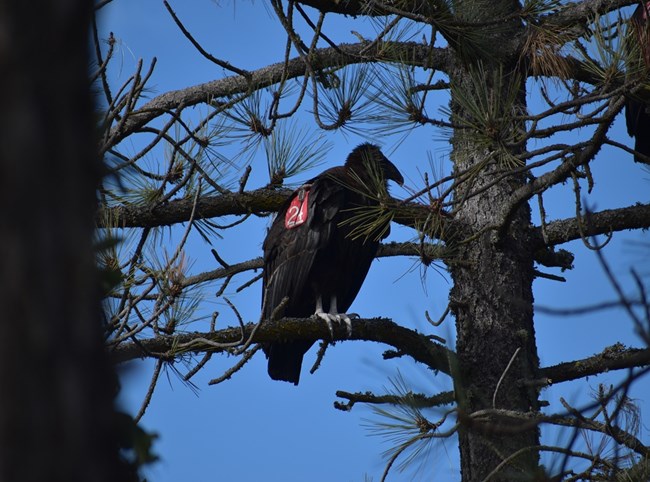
x,y
197,46
503,375
150,390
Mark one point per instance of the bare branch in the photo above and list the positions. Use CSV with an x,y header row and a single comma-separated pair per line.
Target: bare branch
x,y
364,7
615,357
602,222
578,14
414,399
381,330
177,211
564,170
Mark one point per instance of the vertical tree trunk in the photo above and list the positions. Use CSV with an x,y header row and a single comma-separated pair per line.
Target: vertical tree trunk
x,y
57,384
492,299
492,293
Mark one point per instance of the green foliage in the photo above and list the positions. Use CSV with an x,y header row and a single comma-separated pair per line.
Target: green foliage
x,y
290,150
406,427
605,56
343,102
370,222
489,111
532,10
400,104
110,275
248,119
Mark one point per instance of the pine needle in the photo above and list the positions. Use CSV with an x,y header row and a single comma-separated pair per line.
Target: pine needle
x,y
291,150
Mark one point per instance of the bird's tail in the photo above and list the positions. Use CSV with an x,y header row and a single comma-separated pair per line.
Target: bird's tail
x,y
285,360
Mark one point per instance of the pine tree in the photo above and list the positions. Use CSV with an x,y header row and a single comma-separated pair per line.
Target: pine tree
x,y
529,94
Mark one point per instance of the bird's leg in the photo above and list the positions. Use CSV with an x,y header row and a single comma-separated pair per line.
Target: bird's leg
x,y
326,317
332,316
340,317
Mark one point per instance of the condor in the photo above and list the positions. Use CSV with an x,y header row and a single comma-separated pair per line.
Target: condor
x,y
315,254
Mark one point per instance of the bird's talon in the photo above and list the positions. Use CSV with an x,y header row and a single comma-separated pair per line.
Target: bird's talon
x,y
327,318
348,324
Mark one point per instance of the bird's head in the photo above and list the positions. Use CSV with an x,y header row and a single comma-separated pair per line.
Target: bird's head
x,y
367,160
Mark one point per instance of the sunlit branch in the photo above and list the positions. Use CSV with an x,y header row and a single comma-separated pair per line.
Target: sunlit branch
x,y
345,54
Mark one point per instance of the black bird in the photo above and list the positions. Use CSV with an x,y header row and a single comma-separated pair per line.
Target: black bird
x,y
637,109
314,256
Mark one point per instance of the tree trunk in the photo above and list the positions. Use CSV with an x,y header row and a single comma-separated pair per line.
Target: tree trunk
x,y
492,295
57,385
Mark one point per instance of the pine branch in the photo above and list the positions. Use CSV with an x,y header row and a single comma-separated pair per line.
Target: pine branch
x,y
365,7
615,357
343,54
225,272
574,69
639,471
620,436
414,399
602,222
385,250
564,170
579,14
266,200
382,330
259,201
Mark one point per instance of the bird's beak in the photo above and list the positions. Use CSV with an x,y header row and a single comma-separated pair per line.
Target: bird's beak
x,y
392,173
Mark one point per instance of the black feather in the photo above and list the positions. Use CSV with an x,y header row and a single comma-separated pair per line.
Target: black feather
x,y
637,109
638,126
317,257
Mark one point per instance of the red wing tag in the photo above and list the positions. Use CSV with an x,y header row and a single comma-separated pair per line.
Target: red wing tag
x,y
298,209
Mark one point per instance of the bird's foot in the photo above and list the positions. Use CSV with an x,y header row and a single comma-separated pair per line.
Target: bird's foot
x,y
330,318
345,318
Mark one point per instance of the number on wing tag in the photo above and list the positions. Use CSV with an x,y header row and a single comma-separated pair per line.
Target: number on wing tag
x,y
298,209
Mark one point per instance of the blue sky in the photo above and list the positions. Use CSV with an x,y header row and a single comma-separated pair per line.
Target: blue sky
x,y
251,428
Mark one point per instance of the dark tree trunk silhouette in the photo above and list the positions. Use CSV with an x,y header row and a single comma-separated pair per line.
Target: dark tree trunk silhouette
x,y
57,386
